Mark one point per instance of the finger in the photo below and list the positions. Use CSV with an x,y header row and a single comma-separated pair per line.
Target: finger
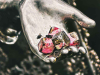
x,y
65,9
82,50
74,49
65,51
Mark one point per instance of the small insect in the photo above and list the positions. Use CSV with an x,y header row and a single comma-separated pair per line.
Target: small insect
x,y
39,36
48,36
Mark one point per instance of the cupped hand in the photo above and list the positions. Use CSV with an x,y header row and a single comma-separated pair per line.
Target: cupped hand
x,y
38,16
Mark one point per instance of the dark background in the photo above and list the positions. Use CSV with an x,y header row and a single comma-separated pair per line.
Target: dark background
x,y
91,8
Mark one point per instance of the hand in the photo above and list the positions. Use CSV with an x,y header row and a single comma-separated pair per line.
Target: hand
x,y
38,16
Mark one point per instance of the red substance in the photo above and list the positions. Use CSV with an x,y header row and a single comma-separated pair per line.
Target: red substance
x,y
54,31
59,46
55,28
46,46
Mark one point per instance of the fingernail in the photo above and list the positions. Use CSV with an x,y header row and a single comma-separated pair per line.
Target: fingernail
x,y
86,24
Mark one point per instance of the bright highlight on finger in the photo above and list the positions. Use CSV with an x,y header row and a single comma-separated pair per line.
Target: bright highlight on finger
x,y
52,59
82,50
64,51
74,49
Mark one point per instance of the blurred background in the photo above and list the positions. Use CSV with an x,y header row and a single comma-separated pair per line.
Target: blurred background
x,y
91,8
18,59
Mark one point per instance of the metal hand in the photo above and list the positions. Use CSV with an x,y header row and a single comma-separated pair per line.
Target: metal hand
x,y
38,16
